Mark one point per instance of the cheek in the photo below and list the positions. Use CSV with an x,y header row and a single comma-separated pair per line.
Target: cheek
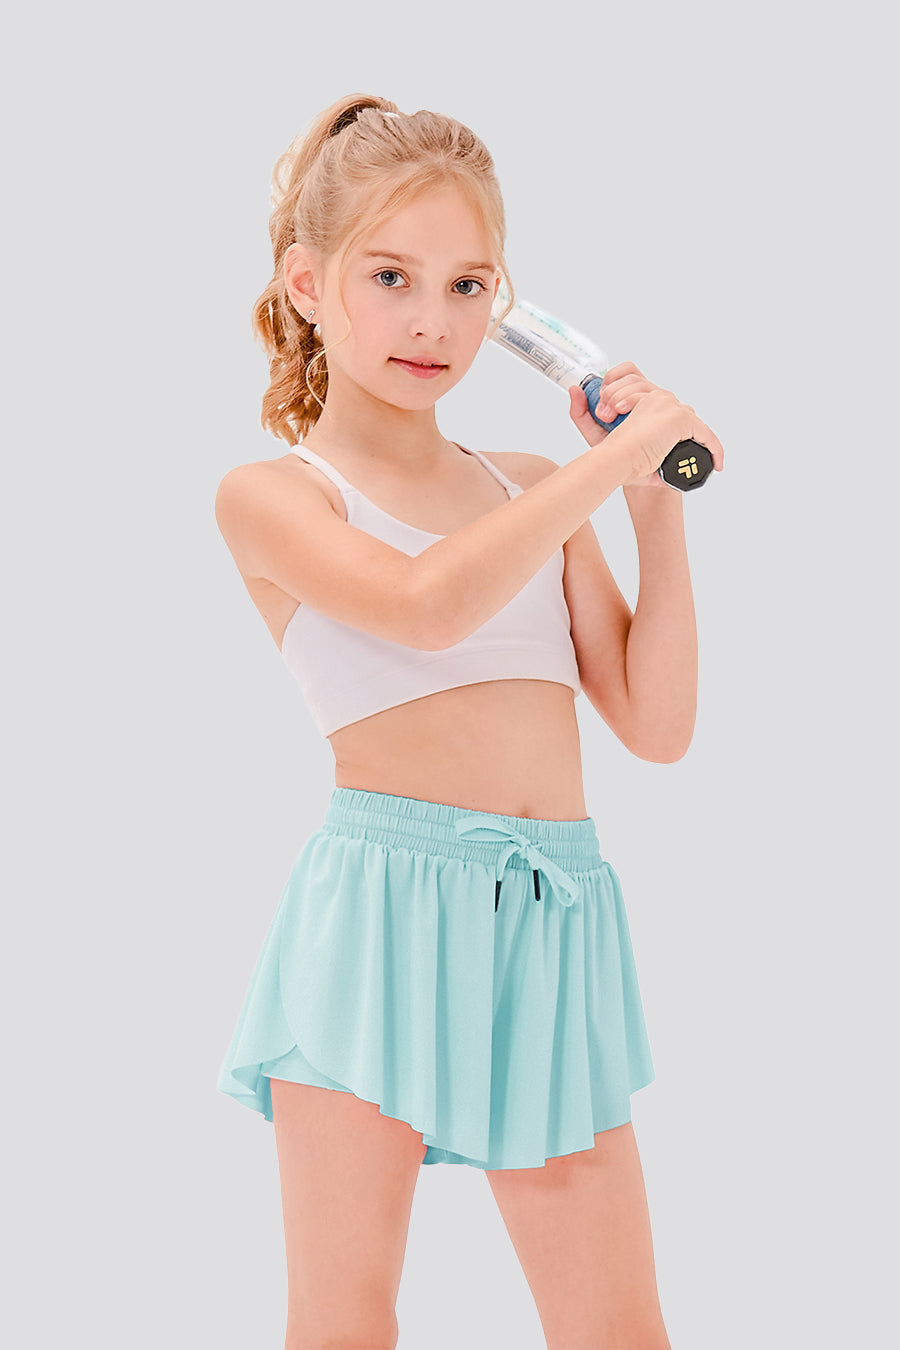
x,y
370,326
477,324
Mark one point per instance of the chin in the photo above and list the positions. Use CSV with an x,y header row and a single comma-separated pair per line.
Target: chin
x,y
411,400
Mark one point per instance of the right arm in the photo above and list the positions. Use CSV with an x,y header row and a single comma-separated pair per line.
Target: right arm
x,y
292,537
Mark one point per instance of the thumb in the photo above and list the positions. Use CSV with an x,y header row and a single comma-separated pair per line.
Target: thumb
x,y
581,416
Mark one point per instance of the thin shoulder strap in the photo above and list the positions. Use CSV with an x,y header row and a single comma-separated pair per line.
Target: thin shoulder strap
x,y
310,456
512,488
329,470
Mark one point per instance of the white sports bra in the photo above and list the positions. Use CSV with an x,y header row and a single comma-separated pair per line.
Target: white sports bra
x,y
346,674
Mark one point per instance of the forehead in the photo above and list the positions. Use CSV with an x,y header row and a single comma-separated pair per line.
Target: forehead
x,y
443,223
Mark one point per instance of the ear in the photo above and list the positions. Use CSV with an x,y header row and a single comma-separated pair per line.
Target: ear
x,y
300,278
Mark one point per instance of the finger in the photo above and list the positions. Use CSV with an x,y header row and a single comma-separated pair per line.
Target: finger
x,y
718,452
623,403
613,393
622,389
581,415
704,436
604,410
578,400
579,409
623,368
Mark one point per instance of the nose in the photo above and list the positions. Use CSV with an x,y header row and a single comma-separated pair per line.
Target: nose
x,y
430,319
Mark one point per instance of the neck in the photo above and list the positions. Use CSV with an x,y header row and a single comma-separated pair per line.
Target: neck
x,y
356,426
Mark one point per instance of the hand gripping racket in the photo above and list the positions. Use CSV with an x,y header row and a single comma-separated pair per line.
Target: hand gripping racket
x,y
566,357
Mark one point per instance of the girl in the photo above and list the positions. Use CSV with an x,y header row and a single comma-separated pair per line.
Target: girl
x,y
449,975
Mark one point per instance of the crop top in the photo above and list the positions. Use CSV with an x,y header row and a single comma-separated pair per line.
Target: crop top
x,y
346,674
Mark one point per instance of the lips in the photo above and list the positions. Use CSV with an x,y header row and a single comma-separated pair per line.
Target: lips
x,y
421,367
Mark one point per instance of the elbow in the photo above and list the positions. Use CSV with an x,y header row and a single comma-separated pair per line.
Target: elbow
x,y
661,745
424,639
432,634
438,623
662,754
429,630
647,731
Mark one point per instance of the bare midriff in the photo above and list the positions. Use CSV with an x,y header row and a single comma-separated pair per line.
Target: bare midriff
x,y
507,746
511,747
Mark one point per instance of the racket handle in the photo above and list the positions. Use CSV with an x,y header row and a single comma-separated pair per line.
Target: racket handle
x,y
687,465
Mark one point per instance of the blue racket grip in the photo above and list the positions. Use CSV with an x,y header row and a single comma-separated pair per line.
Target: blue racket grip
x,y
591,388
685,467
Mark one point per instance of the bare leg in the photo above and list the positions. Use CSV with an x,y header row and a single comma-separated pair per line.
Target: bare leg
x,y
348,1175
580,1226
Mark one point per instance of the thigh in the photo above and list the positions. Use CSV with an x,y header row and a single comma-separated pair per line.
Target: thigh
x,y
580,1226
348,1175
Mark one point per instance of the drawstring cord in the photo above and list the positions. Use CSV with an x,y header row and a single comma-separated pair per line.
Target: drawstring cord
x,y
564,887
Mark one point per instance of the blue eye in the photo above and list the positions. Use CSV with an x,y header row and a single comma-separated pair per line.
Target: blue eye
x,y
389,278
476,286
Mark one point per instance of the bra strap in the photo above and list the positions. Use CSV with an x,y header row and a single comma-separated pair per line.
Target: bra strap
x,y
310,456
513,489
329,470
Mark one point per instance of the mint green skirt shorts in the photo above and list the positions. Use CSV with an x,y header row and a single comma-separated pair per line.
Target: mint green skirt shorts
x,y
471,973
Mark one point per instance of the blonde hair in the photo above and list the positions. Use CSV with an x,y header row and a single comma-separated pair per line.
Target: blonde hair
x,y
359,163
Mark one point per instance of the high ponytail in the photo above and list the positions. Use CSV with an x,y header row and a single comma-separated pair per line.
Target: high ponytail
x,y
359,161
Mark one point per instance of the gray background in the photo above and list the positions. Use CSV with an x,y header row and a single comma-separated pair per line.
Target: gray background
x,y
704,190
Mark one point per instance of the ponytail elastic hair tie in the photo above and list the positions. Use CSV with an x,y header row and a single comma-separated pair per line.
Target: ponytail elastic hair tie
x,y
347,118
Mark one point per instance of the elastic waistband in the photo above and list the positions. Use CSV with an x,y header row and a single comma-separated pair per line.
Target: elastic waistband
x,y
457,832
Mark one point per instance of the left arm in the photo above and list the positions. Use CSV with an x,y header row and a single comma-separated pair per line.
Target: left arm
x,y
639,671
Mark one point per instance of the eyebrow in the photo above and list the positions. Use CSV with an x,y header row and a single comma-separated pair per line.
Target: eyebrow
x,y
407,258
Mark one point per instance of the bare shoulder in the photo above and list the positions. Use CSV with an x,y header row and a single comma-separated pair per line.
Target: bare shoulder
x,y
523,468
245,486
245,476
